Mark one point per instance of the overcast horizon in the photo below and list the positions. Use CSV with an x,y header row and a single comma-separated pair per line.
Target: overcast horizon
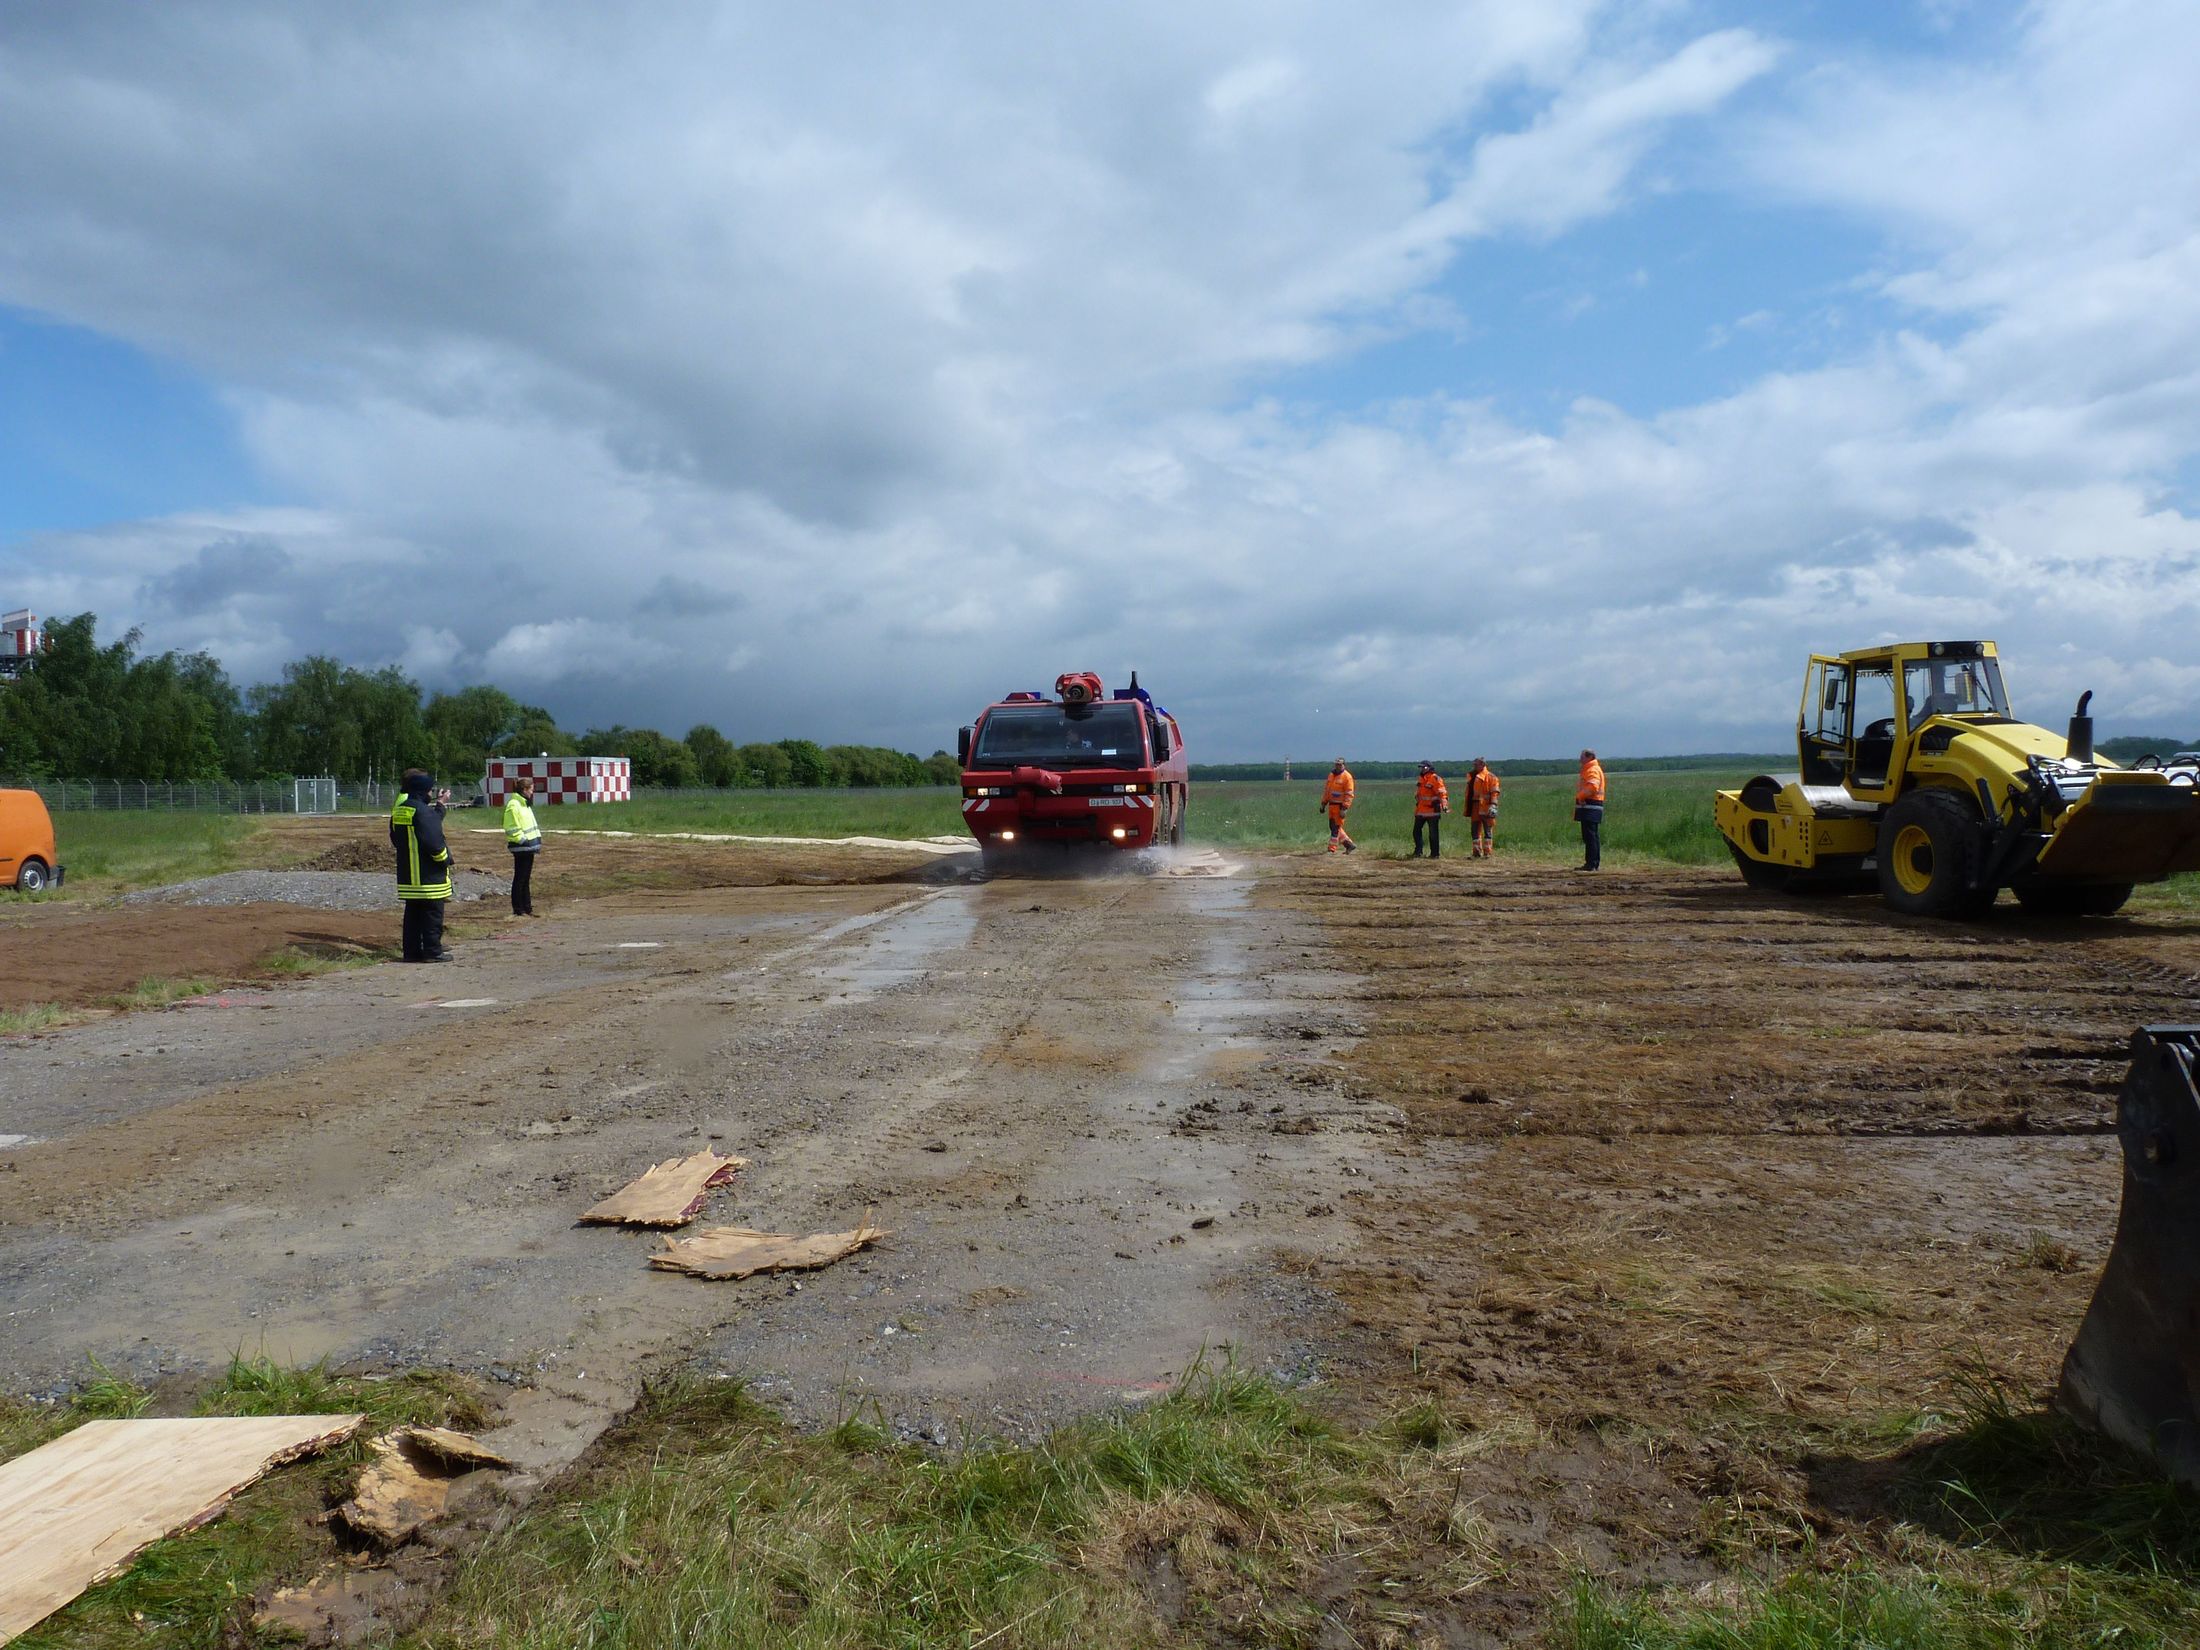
x,y
1502,377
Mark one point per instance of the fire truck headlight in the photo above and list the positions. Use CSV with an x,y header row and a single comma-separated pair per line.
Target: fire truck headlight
x,y
1119,833
1008,836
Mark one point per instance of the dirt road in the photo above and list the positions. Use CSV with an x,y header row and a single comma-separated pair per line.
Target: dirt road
x,y
386,1164
1671,1191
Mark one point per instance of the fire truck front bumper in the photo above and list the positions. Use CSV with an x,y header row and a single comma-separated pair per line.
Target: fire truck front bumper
x,y
1097,821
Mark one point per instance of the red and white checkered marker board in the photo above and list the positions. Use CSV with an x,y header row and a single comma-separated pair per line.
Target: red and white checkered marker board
x,y
562,778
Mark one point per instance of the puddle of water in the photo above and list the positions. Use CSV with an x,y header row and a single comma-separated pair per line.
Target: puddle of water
x,y
639,945
9,1141
468,1002
1214,1005
1194,862
835,931
902,950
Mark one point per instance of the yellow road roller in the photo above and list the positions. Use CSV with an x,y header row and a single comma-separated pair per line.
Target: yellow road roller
x,y
1915,778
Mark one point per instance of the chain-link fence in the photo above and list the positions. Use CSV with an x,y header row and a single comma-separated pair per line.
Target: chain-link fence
x,y
268,796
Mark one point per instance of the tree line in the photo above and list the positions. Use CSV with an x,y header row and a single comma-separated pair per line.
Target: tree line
x,y
88,710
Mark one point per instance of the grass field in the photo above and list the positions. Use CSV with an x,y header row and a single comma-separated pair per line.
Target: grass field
x,y
107,853
1660,816
920,811
1229,1512
1652,816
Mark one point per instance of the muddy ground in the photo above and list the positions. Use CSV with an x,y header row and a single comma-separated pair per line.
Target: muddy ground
x,y
1634,1172
75,957
1707,1194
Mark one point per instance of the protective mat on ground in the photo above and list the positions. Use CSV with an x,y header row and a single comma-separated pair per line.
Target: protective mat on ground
x,y
669,1194
738,1252
79,1509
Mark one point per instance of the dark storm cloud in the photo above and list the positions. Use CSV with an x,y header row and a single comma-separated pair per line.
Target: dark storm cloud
x,y
226,570
674,598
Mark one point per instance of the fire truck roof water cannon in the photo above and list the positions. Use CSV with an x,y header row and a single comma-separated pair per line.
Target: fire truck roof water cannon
x,y
1081,769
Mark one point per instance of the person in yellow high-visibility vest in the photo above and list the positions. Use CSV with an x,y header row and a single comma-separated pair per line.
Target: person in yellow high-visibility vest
x,y
524,837
423,867
1336,802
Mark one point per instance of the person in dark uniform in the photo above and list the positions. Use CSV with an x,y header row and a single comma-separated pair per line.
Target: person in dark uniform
x,y
423,867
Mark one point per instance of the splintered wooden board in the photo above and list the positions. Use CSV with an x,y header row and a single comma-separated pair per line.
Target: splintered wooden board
x,y
407,1483
739,1252
77,1510
670,1194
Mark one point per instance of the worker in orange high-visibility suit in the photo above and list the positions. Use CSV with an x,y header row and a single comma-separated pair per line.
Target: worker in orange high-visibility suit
x,y
1589,810
1431,801
1480,800
1336,802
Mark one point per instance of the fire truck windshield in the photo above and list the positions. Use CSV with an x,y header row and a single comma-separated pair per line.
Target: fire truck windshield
x,y
1046,736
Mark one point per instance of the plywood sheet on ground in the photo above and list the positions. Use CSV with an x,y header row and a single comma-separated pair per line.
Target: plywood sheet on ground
x,y
77,1510
670,1194
738,1252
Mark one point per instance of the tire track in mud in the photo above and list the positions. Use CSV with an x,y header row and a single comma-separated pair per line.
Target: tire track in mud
x,y
977,1064
1687,1170
1648,1003
1063,1242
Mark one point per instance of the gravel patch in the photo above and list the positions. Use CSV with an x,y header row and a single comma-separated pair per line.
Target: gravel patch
x,y
317,890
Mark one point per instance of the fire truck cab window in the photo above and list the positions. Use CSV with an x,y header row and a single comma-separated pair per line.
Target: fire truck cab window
x,y
1107,736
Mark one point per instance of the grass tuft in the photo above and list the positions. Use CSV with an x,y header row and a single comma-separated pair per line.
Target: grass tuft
x,y
300,962
15,1022
1860,1609
2026,1479
109,1397
159,990
2044,1252
260,1386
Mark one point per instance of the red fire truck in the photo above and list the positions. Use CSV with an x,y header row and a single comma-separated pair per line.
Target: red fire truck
x,y
1079,768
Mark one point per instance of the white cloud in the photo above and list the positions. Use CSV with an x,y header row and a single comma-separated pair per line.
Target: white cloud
x,y
560,650
1573,162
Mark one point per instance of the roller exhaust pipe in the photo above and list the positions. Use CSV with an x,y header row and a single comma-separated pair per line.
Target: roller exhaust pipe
x,y
2081,730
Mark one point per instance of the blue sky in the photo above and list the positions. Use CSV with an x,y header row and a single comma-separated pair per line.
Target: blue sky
x,y
1512,374
1684,297
95,430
